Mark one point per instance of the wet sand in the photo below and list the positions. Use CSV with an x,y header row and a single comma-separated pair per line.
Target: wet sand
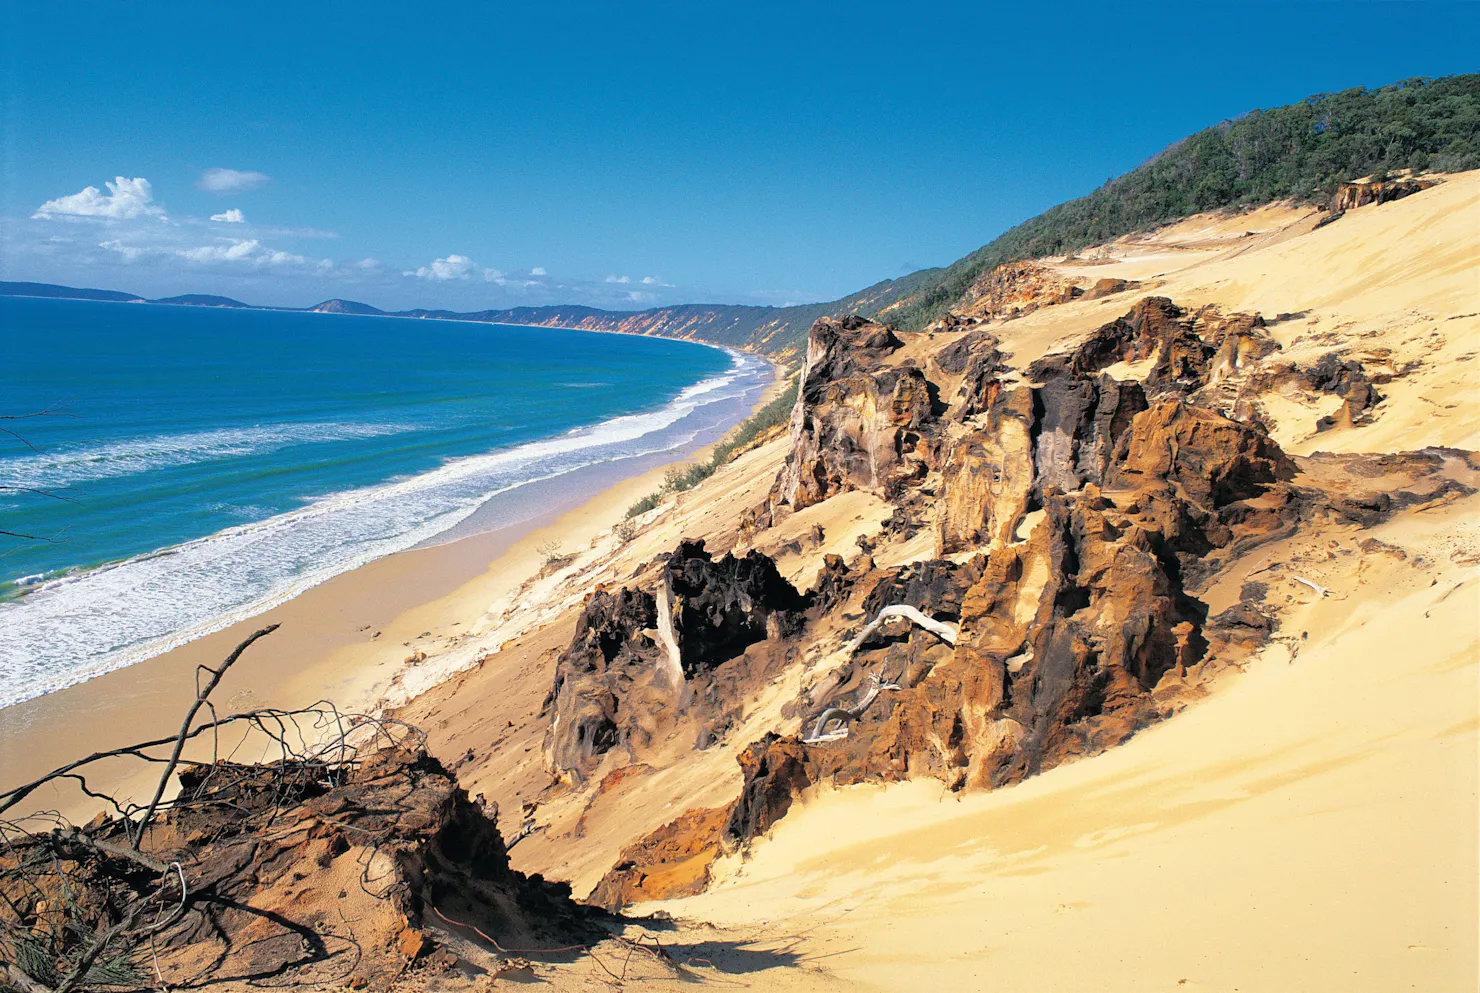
x,y
343,640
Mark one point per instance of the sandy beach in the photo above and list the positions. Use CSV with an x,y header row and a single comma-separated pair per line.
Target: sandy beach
x,y
343,640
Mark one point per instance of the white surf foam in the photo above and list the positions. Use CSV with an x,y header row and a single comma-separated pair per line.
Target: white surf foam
x,y
79,626
68,466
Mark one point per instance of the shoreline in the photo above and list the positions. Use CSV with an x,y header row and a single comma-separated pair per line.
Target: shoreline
x,y
112,603
450,320
418,599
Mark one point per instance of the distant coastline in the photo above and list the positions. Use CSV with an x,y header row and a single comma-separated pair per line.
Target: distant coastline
x,y
748,328
90,295
232,488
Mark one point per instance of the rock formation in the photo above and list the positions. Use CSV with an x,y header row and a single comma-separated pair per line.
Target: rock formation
x,y
637,657
856,423
1078,506
1349,196
256,880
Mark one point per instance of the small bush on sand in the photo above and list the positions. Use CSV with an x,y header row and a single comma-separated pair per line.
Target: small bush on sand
x,y
680,478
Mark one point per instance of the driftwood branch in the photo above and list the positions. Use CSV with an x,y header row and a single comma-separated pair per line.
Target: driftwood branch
x,y
842,716
832,723
1320,590
945,632
202,694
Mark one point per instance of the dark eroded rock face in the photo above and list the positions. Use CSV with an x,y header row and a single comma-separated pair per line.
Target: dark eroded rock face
x,y
1189,349
957,356
776,770
1350,196
635,657
611,640
714,610
934,587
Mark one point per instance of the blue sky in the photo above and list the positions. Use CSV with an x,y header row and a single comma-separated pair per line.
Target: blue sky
x,y
620,155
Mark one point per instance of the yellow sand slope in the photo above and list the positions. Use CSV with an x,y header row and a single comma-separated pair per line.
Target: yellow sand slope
x,y
1310,826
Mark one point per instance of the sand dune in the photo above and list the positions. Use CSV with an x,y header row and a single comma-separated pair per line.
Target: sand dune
x,y
1312,824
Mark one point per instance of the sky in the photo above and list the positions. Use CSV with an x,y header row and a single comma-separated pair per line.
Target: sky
x,y
629,155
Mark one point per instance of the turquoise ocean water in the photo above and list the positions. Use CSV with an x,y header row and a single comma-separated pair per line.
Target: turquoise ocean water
x,y
205,464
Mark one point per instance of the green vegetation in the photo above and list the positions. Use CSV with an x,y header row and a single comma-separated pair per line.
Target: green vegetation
x,y
677,479
1300,152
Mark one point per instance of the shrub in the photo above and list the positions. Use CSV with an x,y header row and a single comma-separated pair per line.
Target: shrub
x,y
680,478
1298,152
644,505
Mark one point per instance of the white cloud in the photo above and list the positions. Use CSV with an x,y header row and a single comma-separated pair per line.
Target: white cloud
x,y
452,267
129,252
232,216
367,264
232,251
538,271
126,199
230,180
618,279
243,250
655,281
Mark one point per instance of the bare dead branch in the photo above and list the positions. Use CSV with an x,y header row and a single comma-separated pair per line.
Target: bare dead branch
x,y
57,409
201,694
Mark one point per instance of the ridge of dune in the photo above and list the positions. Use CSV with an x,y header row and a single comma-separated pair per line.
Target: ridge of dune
x,y
1311,825
1309,822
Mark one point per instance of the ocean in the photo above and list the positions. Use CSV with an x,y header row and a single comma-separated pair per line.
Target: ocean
x,y
197,466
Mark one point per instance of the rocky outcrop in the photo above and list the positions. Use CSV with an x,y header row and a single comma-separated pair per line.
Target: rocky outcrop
x,y
710,611
666,864
1331,374
987,473
1067,630
1189,350
857,421
1015,289
614,649
1109,286
1080,506
1350,196
266,866
638,658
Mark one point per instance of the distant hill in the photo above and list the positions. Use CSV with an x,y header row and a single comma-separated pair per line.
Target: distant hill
x,y
64,292
772,330
202,300
337,306
1300,152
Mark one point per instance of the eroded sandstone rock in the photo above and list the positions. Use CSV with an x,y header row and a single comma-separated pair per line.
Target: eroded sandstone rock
x,y
635,656
710,611
666,864
1080,505
856,422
